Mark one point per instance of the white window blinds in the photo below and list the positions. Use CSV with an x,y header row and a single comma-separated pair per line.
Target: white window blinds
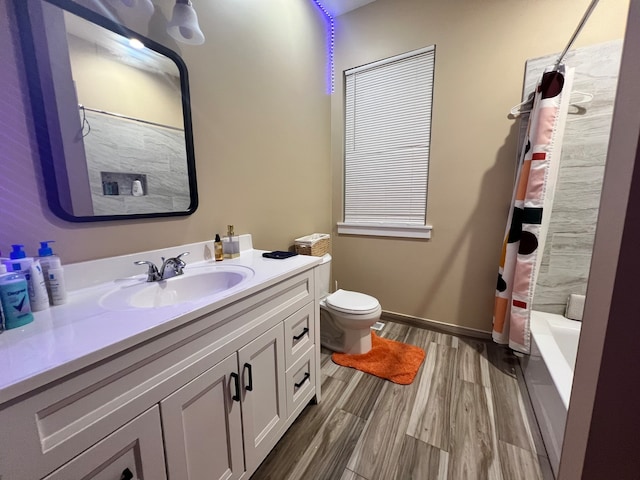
x,y
387,134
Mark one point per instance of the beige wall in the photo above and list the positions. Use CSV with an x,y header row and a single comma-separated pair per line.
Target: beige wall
x,y
481,48
106,84
261,131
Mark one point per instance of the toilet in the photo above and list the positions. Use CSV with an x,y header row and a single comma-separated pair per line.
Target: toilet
x,y
346,317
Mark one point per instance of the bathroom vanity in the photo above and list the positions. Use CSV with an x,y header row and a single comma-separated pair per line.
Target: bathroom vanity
x,y
187,389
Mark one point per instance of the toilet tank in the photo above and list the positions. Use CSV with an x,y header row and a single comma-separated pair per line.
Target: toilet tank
x,y
325,275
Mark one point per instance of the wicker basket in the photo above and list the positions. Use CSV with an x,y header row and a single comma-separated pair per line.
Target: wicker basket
x,y
316,244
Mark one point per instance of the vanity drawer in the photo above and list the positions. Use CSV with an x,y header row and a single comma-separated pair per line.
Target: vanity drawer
x,y
300,380
299,334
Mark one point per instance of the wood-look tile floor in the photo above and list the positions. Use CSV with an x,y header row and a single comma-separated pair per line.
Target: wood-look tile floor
x,y
463,418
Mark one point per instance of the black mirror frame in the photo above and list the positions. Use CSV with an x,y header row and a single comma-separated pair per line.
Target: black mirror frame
x,y
40,107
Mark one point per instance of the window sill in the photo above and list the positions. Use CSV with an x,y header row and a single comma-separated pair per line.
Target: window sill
x,y
385,230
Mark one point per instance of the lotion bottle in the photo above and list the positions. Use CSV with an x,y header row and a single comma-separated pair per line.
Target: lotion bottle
x,y
53,273
14,297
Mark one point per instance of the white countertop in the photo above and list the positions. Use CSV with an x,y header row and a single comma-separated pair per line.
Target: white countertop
x,y
66,338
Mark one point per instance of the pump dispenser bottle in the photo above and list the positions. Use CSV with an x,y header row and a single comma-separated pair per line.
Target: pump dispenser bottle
x,y
231,244
53,273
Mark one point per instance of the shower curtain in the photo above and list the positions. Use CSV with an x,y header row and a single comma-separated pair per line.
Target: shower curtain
x,y
533,193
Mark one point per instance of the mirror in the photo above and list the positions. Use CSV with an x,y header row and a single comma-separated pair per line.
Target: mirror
x,y
113,121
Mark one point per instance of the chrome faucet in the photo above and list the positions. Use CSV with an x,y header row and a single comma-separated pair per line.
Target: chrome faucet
x,y
171,267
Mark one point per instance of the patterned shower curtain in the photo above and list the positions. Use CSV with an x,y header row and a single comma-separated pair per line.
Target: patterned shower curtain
x,y
524,237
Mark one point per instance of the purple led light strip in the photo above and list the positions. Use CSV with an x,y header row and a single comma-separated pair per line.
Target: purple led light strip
x,y
330,46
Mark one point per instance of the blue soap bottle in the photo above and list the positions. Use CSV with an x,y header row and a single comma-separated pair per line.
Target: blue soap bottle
x,y
14,296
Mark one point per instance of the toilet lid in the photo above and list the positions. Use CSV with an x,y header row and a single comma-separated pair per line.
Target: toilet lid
x,y
352,302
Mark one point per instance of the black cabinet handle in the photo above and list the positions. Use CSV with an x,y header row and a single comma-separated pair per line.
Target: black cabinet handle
x,y
304,332
304,379
126,474
249,386
236,379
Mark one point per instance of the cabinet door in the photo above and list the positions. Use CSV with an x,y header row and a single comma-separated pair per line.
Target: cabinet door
x,y
264,404
136,447
203,428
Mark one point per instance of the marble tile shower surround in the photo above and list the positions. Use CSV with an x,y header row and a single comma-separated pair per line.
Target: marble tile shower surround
x,y
567,253
154,151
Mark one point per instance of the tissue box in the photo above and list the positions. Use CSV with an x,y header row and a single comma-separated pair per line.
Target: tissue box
x,y
316,244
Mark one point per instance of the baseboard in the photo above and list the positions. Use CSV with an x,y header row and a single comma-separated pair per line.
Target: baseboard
x,y
435,325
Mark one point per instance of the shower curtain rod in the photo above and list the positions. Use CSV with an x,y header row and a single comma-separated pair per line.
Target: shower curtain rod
x,y
582,23
119,115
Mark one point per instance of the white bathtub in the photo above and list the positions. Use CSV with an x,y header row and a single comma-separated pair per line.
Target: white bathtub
x,y
548,373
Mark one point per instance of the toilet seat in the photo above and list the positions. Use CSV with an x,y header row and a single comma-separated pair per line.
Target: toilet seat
x,y
353,303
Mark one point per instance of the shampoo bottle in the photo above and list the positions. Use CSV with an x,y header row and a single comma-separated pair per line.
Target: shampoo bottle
x,y
53,273
14,297
217,249
32,271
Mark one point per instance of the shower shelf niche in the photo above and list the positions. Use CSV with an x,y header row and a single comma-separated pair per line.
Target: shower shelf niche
x,y
120,183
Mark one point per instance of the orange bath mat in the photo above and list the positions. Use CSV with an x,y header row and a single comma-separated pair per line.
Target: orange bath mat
x,y
388,359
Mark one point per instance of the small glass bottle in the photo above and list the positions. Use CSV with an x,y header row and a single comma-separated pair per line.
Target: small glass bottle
x,y
217,249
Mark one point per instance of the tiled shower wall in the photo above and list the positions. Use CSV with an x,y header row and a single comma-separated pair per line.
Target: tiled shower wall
x,y
569,242
115,144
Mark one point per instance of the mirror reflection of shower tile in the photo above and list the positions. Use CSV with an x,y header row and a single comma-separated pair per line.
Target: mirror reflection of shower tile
x,y
178,165
108,205
181,202
166,183
147,204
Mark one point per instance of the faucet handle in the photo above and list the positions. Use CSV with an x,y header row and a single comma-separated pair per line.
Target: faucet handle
x,y
179,263
152,272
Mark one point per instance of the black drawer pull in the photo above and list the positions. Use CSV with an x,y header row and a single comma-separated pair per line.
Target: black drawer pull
x,y
236,380
304,379
126,474
249,387
304,332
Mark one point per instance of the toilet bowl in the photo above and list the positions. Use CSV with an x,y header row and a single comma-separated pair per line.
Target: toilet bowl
x,y
346,317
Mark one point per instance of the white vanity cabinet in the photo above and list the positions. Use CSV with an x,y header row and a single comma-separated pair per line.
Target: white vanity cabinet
x,y
262,394
202,422
202,426
207,399
132,452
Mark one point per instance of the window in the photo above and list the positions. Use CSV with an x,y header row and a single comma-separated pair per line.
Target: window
x,y
387,137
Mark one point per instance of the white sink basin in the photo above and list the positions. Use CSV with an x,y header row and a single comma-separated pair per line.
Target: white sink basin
x,y
193,285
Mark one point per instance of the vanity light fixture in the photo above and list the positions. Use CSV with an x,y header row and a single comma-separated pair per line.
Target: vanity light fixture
x,y
135,43
183,25
133,7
